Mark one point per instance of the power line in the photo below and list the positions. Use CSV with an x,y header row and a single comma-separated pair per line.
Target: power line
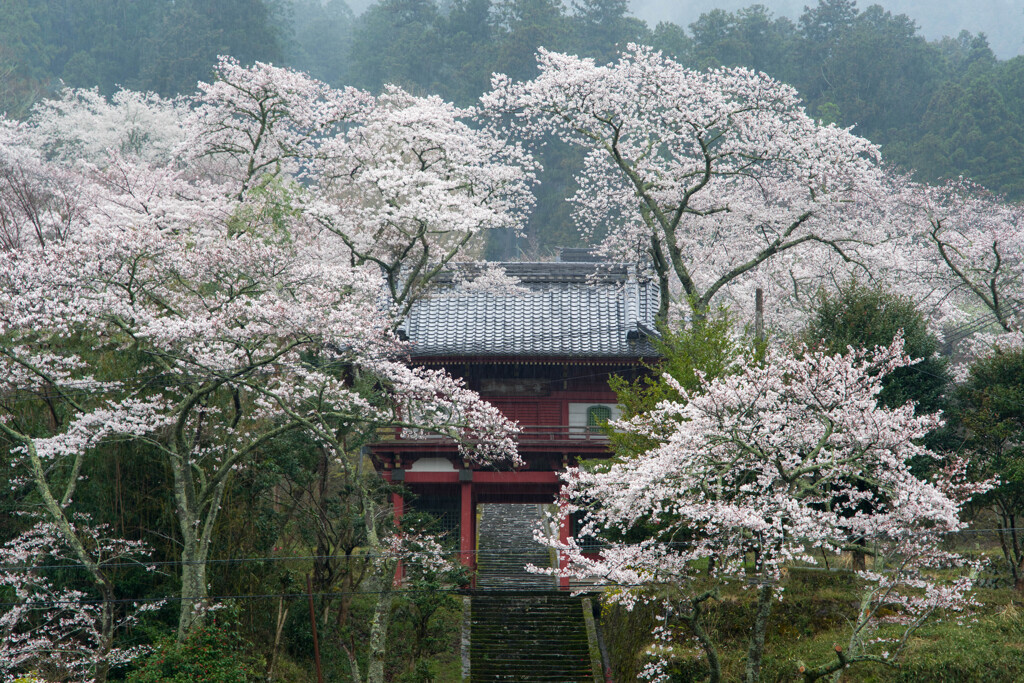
x,y
244,560
143,564
971,326
239,596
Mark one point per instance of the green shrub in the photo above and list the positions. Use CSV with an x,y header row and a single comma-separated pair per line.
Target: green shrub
x,y
212,653
627,633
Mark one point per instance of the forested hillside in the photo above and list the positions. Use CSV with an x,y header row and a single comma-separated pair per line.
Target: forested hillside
x,y
945,109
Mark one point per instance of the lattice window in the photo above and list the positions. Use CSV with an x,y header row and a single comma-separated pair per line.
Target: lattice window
x,y
597,416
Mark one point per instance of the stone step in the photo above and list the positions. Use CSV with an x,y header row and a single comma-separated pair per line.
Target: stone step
x,y
521,628
529,638
505,546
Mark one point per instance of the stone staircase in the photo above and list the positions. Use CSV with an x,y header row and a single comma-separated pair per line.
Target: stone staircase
x,y
523,637
522,628
505,546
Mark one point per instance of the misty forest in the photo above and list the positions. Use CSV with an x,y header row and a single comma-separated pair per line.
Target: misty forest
x,y
230,232
944,108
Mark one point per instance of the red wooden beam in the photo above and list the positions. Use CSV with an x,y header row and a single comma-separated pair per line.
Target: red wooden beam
x,y
480,477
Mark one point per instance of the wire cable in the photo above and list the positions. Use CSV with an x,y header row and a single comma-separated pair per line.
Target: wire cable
x,y
144,564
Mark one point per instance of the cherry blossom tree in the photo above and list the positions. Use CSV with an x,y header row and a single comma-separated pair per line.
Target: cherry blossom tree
x,y
717,178
776,461
64,632
246,315
40,201
83,125
411,186
972,245
222,321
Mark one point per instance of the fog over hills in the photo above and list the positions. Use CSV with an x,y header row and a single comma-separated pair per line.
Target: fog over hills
x,y
1001,20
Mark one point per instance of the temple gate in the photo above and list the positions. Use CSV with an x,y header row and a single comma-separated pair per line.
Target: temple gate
x,y
543,356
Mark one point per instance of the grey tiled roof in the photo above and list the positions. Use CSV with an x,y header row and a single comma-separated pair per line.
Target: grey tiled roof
x,y
570,310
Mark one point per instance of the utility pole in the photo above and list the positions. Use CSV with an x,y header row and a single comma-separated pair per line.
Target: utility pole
x,y
312,625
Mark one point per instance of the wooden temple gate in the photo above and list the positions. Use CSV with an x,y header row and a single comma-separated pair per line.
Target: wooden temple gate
x,y
543,357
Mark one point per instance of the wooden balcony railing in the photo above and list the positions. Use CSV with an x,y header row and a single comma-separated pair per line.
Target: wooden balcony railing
x,y
534,433
528,434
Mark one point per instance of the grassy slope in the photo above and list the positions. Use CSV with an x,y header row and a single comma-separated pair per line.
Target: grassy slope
x,y
811,620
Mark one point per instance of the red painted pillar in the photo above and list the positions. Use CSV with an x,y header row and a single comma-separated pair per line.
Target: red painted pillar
x,y
467,527
563,559
472,516
398,505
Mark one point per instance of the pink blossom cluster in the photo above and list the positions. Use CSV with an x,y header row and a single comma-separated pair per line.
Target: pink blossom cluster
x,y
58,630
786,459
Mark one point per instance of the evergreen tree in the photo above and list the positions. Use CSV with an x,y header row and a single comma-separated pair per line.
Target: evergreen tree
x,y
870,317
988,415
468,51
321,39
184,46
969,130
24,56
522,27
601,26
750,37
397,41
672,40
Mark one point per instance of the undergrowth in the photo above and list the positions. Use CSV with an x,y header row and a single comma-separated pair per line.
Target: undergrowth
x,y
812,619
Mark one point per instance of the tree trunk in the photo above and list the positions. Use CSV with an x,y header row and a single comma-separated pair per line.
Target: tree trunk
x,y
755,651
353,664
194,592
106,636
379,626
1017,560
694,621
196,538
1010,547
347,588
858,558
385,569
323,576
282,617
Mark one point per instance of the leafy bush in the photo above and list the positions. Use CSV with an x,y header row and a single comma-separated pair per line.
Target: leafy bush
x,y
212,653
